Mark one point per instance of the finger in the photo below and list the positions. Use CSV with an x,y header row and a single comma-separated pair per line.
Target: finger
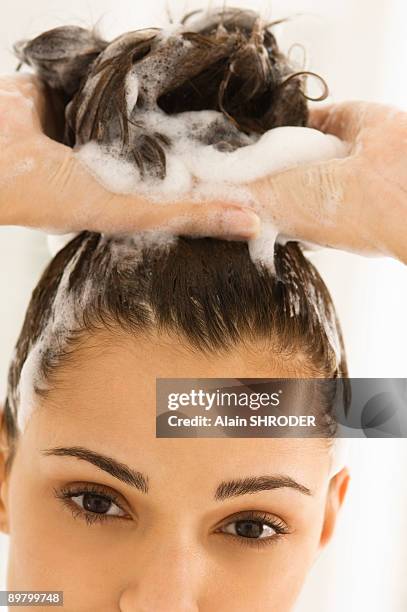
x,y
73,200
347,120
215,219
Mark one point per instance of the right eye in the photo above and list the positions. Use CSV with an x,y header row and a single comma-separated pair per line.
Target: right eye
x,y
97,504
92,502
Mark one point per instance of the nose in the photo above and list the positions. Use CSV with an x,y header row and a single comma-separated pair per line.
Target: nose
x,y
166,581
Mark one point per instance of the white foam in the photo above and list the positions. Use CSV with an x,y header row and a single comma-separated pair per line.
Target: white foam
x,y
199,170
60,322
277,150
178,180
29,380
131,91
104,162
189,162
260,247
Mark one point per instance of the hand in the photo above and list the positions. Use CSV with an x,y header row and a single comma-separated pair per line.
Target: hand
x,y
43,185
358,203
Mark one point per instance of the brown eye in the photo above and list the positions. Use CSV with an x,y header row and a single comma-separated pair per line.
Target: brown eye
x,y
250,529
97,504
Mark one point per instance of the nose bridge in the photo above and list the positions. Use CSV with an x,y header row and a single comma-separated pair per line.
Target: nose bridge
x,y
166,579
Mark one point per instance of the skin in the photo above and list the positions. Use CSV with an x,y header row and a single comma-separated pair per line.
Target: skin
x,y
175,549
339,203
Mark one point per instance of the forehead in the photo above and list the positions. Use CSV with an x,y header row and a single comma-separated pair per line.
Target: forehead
x,y
105,400
121,369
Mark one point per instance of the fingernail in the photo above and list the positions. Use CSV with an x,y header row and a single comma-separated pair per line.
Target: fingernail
x,y
239,223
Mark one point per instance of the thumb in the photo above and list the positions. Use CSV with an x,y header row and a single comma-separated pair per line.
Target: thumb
x,y
321,203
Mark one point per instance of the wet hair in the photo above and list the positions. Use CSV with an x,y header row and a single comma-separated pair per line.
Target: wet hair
x,y
206,291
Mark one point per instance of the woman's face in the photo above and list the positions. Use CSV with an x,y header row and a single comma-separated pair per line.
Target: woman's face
x,y
97,507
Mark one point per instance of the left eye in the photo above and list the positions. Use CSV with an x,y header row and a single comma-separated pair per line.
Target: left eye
x,y
97,504
250,529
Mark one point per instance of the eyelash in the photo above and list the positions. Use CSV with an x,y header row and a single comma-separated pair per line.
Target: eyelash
x,y
279,526
67,493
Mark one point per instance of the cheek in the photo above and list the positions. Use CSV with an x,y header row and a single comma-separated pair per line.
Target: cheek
x,y
273,579
35,544
52,551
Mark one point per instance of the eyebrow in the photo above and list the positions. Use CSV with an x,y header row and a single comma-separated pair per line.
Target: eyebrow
x,y
249,485
226,489
103,462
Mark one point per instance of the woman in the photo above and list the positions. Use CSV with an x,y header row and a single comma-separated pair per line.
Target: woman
x,y
96,505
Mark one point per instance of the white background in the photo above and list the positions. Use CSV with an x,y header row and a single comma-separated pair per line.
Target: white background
x,y
360,48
